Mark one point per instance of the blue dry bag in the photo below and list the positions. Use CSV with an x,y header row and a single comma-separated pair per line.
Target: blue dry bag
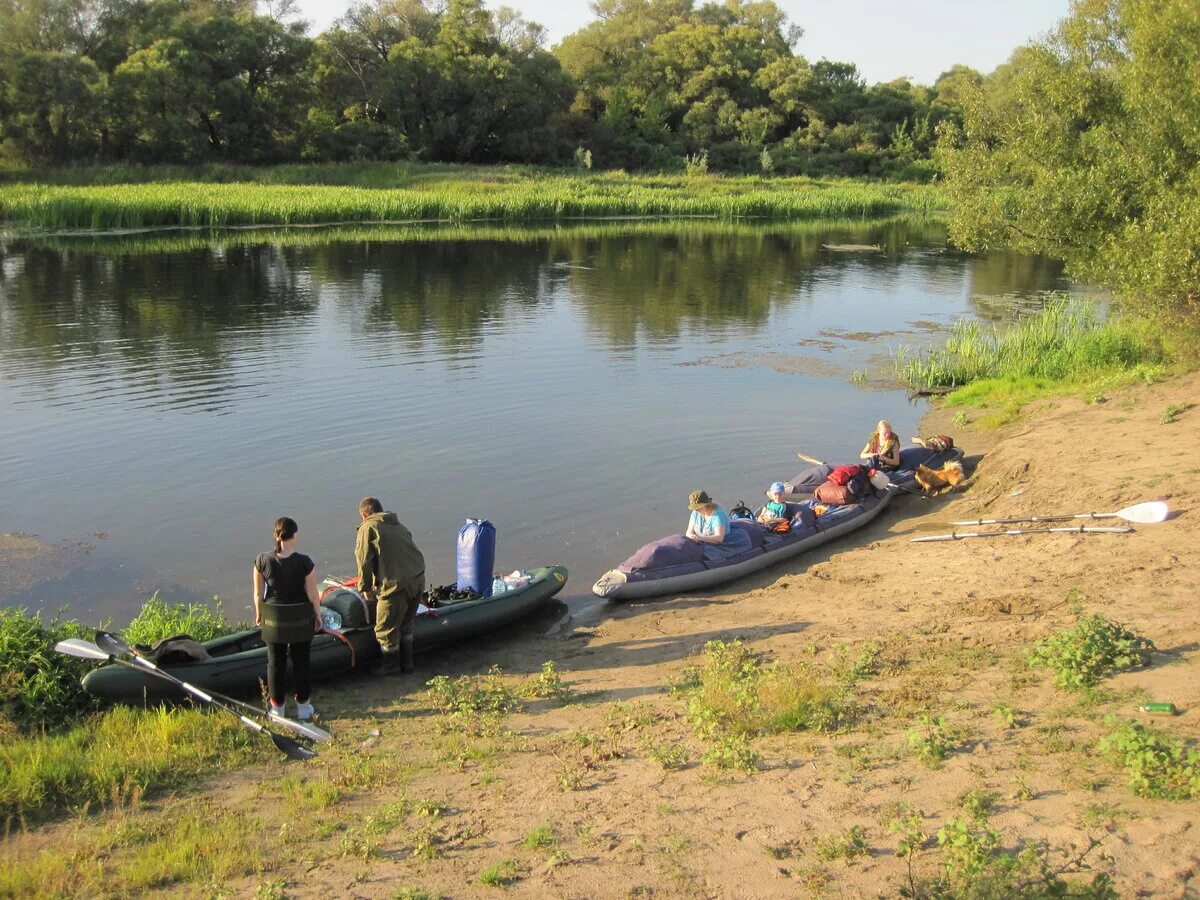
x,y
476,556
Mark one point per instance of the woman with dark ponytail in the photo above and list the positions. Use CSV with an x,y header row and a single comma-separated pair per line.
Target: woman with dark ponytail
x,y
288,608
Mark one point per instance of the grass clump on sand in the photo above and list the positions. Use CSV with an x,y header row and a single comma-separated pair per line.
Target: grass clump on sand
x,y
732,697
1067,346
129,197
1158,765
1088,651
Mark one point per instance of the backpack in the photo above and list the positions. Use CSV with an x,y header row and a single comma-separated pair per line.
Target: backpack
x,y
741,511
940,443
841,475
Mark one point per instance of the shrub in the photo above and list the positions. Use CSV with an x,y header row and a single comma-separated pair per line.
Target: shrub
x,y
1080,656
1158,765
38,687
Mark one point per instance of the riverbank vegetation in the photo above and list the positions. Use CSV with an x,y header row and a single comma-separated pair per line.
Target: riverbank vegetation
x,y
61,752
658,86
525,195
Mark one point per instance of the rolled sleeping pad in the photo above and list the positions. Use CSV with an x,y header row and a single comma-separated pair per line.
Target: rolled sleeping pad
x,y
476,556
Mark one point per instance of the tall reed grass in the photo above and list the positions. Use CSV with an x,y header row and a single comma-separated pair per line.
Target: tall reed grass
x,y
1066,341
508,195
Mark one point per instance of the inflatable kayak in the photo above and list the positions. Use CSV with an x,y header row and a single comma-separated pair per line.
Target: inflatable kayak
x,y
675,565
237,663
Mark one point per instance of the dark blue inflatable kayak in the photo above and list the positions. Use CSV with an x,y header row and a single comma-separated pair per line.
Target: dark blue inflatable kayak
x,y
674,565
237,663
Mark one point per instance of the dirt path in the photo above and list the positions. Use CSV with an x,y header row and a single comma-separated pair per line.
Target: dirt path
x,y
608,795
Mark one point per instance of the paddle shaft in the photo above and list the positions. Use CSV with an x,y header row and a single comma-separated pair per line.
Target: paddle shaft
x,y
113,642
286,745
1074,529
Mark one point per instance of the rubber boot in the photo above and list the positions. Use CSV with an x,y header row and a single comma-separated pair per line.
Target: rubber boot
x,y
389,664
406,650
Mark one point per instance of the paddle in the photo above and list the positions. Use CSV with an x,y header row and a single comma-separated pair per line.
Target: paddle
x,y
1071,529
111,643
1142,514
810,459
85,650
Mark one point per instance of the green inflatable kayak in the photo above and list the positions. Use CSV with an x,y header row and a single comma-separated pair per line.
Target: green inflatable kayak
x,y
237,663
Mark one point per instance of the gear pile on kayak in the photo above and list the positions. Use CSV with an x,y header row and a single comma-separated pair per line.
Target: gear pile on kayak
x,y
237,663
674,564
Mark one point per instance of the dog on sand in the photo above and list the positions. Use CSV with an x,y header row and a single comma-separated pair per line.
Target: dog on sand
x,y
935,481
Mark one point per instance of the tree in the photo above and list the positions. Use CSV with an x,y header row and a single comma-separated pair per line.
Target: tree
x,y
1086,147
53,102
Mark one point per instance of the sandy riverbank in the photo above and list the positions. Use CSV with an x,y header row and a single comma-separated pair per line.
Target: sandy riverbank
x,y
947,627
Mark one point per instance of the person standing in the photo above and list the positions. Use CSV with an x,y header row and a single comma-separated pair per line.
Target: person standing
x,y
391,571
288,608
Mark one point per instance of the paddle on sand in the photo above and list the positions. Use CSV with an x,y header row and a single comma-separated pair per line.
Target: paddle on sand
x,y
86,650
111,643
1068,529
1141,514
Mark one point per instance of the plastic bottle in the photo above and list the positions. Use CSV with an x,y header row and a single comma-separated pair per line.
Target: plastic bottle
x,y
1158,709
499,586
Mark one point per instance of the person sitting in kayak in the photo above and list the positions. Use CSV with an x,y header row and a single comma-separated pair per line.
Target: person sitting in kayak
x,y
288,607
882,448
774,510
709,526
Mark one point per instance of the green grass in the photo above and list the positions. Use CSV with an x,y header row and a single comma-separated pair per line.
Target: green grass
x,y
158,619
1091,649
131,197
1066,347
39,688
116,758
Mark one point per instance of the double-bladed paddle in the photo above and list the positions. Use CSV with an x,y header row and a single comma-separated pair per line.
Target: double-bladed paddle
x,y
1141,514
112,643
1068,529
87,650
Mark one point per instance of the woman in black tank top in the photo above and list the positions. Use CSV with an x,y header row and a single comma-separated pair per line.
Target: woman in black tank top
x,y
288,608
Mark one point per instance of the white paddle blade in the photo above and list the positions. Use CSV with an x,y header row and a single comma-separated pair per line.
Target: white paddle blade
x,y
82,649
1145,513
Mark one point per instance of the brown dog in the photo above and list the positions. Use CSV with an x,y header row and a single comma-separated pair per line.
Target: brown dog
x,y
935,481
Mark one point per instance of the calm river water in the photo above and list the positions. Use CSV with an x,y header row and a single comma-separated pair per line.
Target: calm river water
x,y
163,400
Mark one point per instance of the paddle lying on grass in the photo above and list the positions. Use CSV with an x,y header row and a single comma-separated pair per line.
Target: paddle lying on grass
x,y
86,650
1067,529
111,643
1142,514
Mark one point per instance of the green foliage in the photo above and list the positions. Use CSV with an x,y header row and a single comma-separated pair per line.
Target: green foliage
x,y
38,687
733,752
1174,411
1088,651
1158,765
501,874
470,695
116,758
1083,146
157,620
978,804
1065,342
669,756
848,845
259,197
931,743
548,685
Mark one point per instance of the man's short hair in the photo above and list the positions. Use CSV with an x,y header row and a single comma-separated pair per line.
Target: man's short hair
x,y
370,506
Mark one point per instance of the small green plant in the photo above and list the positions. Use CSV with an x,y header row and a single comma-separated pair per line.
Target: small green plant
x,y
549,685
909,822
930,742
696,164
1093,648
1158,765
467,695
669,756
961,419
1174,411
544,837
848,845
733,752
765,162
429,808
501,874
1021,789
858,377
1005,714
583,158
978,804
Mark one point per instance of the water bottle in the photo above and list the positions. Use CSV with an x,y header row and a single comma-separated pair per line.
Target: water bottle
x,y
499,586
1158,709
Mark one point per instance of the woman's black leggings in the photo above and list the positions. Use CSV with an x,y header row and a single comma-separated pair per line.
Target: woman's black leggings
x,y
277,657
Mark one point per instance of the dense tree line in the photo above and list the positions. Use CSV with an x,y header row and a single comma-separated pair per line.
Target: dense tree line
x,y
647,84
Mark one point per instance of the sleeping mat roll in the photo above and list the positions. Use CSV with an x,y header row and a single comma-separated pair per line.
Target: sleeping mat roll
x,y
476,556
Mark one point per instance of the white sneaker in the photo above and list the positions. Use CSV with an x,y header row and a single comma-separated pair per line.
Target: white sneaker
x,y
277,711
304,711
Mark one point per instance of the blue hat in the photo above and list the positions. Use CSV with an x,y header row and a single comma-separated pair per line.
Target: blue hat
x,y
776,488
